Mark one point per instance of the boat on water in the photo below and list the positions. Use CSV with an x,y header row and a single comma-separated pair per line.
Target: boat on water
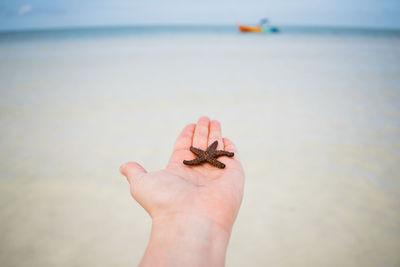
x,y
257,29
262,27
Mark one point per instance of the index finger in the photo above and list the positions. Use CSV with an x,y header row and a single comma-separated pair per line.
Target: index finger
x,y
184,140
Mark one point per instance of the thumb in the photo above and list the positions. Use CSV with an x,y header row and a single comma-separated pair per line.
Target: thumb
x,y
132,171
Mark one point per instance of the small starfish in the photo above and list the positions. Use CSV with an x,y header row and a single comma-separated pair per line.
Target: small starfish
x,y
210,155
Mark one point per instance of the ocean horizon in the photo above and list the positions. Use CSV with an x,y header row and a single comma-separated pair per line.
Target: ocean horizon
x,y
148,30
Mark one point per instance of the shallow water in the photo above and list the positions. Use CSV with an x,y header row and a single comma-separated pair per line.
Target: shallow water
x,y
316,118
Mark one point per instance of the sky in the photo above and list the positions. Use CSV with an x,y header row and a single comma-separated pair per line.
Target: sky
x,y
23,14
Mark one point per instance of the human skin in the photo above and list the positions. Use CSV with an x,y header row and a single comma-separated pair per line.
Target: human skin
x,y
193,208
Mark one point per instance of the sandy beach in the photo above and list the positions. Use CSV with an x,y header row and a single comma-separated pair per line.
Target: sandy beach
x,y
316,119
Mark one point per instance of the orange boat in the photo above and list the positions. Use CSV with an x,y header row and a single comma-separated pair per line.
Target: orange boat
x,y
243,28
258,29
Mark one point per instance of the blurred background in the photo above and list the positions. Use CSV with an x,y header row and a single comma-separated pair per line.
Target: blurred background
x,y
314,108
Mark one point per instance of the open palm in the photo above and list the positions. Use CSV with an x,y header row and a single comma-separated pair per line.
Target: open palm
x,y
204,190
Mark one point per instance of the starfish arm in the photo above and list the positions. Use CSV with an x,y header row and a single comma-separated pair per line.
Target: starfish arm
x,y
196,151
196,161
220,153
216,163
213,146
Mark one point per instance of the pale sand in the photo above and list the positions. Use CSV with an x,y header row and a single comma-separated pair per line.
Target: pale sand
x,y
316,121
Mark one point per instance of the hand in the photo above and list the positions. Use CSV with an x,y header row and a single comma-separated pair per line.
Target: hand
x,y
196,203
203,190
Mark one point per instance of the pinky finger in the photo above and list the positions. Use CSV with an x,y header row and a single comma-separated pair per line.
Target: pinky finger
x,y
230,146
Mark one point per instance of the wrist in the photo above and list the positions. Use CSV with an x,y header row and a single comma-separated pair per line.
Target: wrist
x,y
186,240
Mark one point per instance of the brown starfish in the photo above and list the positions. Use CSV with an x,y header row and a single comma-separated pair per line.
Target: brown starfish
x,y
210,155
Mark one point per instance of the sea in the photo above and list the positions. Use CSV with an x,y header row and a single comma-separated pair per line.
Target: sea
x,y
313,111
149,30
